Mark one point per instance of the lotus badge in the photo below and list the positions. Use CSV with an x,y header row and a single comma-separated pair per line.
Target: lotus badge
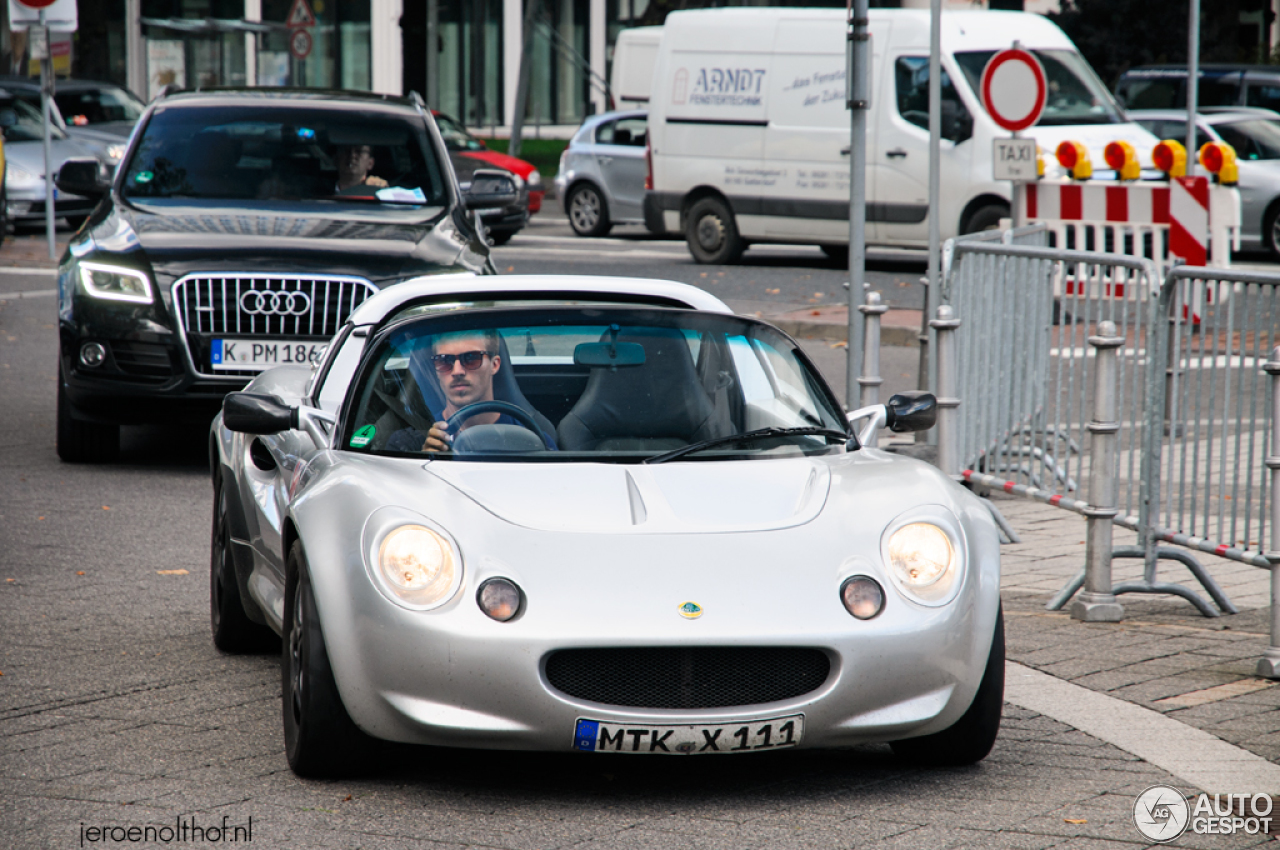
x,y
690,610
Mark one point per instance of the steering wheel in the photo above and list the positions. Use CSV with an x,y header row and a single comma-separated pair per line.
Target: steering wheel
x,y
454,422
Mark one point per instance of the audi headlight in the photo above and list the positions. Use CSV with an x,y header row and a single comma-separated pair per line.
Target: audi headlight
x,y
115,284
418,566
923,562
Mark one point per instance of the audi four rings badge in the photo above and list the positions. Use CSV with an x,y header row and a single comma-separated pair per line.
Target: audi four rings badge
x,y
267,303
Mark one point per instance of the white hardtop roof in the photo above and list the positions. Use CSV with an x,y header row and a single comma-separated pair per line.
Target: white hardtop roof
x,y
573,287
961,29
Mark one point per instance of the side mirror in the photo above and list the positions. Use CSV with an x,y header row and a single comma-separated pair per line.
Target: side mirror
x,y
255,413
490,189
957,123
913,410
8,117
88,177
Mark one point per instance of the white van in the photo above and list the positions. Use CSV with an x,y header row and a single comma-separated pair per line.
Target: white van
x,y
749,134
634,55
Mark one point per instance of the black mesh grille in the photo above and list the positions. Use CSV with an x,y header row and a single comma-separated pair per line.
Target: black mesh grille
x,y
142,358
687,677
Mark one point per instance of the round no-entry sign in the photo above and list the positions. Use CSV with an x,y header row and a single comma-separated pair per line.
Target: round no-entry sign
x,y
1013,89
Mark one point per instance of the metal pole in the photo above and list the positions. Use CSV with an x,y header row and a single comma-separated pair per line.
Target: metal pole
x,y
928,359
1019,216
46,93
944,328
871,380
1193,82
1097,603
522,84
859,102
1269,664
433,54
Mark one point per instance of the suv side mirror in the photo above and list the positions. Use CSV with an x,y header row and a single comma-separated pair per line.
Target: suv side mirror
x,y
490,189
88,177
912,410
256,413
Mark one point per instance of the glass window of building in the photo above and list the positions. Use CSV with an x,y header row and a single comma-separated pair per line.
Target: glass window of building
x,y
340,54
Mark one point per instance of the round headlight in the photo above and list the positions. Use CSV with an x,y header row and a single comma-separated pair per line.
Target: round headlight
x,y
862,596
922,561
418,565
500,598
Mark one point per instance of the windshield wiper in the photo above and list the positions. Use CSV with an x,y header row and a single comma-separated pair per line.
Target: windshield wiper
x,y
751,436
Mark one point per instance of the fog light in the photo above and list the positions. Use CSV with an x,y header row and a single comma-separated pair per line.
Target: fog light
x,y
92,354
862,596
500,599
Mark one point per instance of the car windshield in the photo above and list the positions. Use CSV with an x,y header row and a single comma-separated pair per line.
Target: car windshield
x,y
588,383
95,106
1075,94
1254,139
456,137
30,126
276,152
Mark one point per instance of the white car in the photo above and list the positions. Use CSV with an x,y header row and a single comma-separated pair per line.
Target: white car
x,y
653,531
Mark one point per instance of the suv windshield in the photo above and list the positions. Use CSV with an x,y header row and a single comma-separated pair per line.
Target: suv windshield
x,y
1075,96
276,152
601,384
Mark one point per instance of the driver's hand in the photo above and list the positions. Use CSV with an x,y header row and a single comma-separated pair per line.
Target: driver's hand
x,y
438,439
374,180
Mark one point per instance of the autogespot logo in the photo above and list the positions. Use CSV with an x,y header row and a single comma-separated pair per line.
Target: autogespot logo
x,y
1161,813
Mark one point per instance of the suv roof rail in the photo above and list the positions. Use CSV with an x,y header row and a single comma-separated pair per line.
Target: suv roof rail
x,y
417,99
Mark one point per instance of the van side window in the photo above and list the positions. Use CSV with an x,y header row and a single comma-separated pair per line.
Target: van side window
x,y
911,82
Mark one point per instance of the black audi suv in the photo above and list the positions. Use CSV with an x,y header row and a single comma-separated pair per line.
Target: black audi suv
x,y
239,232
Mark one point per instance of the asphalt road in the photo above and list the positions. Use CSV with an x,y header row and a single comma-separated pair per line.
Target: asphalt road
x,y
117,711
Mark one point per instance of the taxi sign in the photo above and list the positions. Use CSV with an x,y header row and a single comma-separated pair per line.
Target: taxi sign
x,y
1014,159
1013,89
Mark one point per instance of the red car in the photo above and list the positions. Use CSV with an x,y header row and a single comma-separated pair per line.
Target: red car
x,y
458,140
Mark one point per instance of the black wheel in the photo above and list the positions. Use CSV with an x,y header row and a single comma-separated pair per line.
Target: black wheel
x,y
84,442
1271,231
838,254
320,738
974,734
588,211
233,631
712,233
986,218
500,237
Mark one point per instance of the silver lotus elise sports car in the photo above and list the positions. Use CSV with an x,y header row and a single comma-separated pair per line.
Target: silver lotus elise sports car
x,y
594,514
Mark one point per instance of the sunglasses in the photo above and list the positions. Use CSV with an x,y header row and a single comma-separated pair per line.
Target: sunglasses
x,y
470,360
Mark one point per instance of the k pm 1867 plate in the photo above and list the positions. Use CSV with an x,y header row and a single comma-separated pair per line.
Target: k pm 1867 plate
x,y
262,354
602,736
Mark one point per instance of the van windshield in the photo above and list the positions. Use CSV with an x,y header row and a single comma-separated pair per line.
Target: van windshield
x,y
1076,95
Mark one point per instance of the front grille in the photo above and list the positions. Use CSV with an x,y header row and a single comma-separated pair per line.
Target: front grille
x,y
263,306
687,677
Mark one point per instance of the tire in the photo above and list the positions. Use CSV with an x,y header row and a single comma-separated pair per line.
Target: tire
x,y
588,211
320,738
501,237
971,738
1271,231
837,254
712,233
986,218
84,442
233,631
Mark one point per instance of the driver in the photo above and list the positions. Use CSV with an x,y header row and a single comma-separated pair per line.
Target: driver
x,y
465,363
354,164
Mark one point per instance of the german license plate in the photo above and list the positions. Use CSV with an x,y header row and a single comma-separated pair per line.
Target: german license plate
x,y
259,354
602,736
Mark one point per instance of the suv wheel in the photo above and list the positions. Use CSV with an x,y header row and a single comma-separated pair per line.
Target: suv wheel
x,y
84,442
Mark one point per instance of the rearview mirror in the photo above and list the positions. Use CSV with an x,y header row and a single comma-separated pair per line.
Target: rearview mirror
x,y
912,410
257,413
87,177
610,354
489,189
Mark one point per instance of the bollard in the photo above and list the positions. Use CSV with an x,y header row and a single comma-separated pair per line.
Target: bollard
x,y
1097,603
870,380
1269,664
948,403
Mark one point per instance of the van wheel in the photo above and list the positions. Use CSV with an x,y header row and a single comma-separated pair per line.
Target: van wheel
x,y
588,212
712,233
986,218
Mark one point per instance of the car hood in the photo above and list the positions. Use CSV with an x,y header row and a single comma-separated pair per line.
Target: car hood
x,y
501,160
183,240
668,498
30,155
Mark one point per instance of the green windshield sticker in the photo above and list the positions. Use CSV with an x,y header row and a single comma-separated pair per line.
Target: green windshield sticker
x,y
361,438
143,177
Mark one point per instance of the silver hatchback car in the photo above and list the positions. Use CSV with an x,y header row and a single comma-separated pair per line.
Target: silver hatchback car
x,y
602,172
